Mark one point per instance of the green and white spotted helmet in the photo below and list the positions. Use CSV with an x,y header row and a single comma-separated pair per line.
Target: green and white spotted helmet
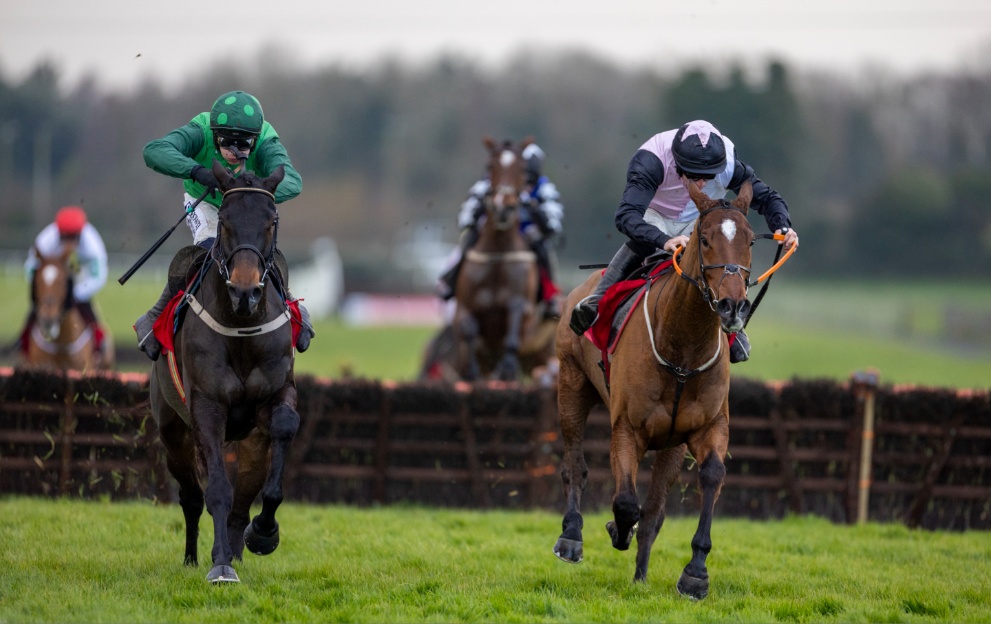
x,y
236,115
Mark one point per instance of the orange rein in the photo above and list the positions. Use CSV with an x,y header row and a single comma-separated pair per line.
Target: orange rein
x,y
767,274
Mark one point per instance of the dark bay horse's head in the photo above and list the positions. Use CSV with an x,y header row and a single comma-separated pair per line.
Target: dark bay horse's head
x,y
247,234
507,179
724,239
52,291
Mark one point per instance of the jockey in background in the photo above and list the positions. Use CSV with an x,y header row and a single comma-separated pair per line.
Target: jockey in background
x,y
540,223
71,230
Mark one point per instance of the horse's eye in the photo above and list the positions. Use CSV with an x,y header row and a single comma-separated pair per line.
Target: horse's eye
x,y
704,241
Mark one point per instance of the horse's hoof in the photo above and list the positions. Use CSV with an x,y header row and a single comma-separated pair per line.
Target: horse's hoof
x,y
569,550
222,574
694,588
617,543
258,543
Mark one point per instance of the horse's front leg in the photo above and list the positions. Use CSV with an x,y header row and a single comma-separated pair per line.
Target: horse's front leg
x,y
625,456
508,368
262,535
210,423
667,467
709,449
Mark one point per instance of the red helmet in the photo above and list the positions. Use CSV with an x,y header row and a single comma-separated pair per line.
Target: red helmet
x,y
70,220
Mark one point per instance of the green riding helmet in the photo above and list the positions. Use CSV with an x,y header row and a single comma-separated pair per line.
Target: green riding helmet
x,y
237,114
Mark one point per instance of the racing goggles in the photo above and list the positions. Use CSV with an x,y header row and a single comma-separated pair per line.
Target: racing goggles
x,y
242,143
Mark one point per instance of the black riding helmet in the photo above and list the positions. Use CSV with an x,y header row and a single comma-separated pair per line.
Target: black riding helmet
x,y
236,118
699,150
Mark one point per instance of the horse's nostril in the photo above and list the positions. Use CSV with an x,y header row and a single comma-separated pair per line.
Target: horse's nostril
x,y
256,293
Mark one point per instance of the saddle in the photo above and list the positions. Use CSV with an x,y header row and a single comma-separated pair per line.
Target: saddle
x,y
618,302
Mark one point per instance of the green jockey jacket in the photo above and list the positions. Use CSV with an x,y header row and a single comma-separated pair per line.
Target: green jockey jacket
x,y
179,151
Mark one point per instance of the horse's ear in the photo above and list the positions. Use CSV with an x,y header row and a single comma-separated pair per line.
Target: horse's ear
x,y
272,182
224,177
490,144
742,201
702,201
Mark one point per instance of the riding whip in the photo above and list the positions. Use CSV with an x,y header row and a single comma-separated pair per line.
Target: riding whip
x,y
137,265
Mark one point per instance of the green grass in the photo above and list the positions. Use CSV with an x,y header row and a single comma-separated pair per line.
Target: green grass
x,y
912,333
72,561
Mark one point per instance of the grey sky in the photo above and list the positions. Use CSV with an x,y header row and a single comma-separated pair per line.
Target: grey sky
x,y
106,37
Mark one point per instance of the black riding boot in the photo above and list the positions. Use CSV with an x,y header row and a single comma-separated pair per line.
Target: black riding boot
x,y
184,259
306,333
587,310
145,325
449,279
739,351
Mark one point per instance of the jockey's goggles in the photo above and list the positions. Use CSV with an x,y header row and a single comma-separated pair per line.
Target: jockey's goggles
x,y
243,143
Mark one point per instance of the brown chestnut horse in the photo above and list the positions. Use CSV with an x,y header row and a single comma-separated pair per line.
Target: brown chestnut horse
x,y
668,390
59,338
233,356
496,289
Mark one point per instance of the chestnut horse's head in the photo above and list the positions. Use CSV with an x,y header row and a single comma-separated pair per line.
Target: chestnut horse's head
x,y
247,234
724,239
507,179
52,291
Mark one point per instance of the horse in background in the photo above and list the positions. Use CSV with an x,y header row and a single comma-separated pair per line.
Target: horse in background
x,y
666,387
226,376
57,336
496,290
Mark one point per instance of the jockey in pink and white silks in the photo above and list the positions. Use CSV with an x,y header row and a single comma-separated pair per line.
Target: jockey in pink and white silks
x,y
656,212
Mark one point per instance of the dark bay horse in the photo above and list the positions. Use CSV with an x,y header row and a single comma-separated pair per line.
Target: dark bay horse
x,y
59,337
668,389
233,354
496,290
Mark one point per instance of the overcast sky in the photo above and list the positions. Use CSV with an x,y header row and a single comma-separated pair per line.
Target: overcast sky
x,y
120,42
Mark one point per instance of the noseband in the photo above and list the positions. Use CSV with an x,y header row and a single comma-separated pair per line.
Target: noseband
x,y
266,261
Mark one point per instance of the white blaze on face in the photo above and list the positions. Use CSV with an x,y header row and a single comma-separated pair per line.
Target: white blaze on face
x,y
507,158
49,274
729,229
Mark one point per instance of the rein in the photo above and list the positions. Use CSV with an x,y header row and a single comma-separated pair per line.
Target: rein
x,y
708,293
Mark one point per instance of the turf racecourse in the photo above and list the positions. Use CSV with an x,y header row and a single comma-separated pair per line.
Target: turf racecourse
x,y
75,561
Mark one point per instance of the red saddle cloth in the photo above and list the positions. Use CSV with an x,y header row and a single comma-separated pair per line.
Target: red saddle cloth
x,y
614,298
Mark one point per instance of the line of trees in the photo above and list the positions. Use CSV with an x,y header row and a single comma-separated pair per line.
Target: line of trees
x,y
884,176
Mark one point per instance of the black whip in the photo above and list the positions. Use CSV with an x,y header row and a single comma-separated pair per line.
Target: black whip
x,y
137,265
